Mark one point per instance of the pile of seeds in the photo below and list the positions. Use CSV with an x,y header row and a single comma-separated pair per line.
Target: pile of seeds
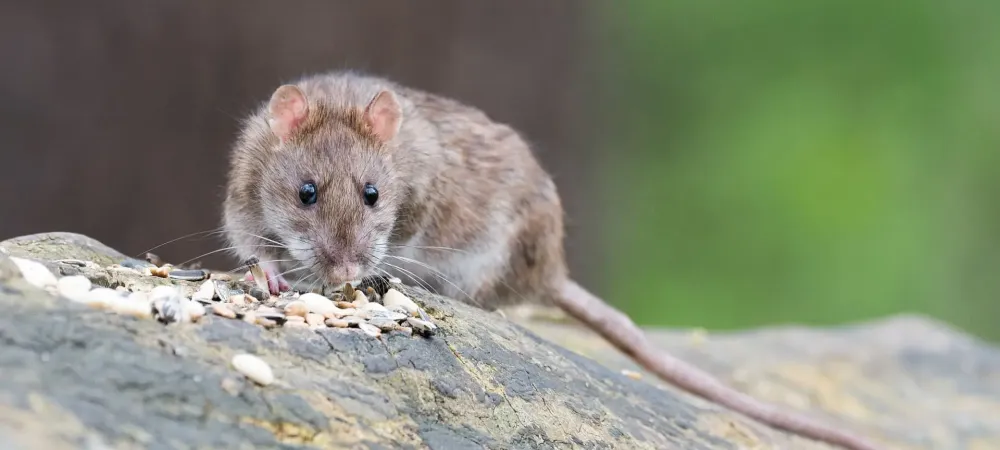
x,y
374,309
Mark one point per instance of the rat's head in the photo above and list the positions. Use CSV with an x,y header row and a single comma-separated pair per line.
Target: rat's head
x,y
326,188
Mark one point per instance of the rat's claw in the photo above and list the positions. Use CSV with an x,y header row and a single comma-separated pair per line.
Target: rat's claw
x,y
276,284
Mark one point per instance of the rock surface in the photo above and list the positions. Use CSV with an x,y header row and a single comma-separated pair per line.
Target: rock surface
x,y
78,377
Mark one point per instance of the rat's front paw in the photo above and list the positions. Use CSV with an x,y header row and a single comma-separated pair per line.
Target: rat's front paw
x,y
276,283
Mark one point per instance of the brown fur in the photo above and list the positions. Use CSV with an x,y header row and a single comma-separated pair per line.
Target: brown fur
x,y
450,178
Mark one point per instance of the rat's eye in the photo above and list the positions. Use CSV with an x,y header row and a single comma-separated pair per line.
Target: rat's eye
x,y
307,193
371,194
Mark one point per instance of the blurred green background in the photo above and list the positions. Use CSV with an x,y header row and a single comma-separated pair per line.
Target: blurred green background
x,y
802,162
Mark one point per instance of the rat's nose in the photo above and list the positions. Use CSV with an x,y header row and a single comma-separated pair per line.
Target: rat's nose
x,y
331,256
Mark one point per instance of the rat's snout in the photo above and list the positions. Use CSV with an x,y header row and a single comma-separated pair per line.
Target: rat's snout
x,y
340,267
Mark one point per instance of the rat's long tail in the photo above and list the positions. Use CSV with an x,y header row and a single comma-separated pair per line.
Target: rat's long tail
x,y
618,329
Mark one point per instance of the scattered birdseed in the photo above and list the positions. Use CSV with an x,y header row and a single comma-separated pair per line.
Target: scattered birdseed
x,y
194,310
238,300
370,292
394,298
421,326
188,275
253,368
220,309
314,319
102,297
341,313
345,305
317,303
296,308
296,324
337,323
360,299
259,278
206,292
349,292
162,272
222,291
35,272
135,304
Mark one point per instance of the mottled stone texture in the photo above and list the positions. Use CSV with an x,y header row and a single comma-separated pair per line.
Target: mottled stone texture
x,y
75,377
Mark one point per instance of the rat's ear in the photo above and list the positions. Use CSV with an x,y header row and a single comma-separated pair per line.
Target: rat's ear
x,y
286,111
383,115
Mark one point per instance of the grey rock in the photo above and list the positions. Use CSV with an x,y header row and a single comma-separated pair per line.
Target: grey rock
x,y
74,376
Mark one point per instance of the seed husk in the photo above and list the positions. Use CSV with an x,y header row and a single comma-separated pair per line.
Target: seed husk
x,y
220,309
253,368
394,298
296,308
337,323
188,275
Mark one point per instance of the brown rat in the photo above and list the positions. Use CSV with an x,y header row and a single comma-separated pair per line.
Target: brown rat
x,y
342,175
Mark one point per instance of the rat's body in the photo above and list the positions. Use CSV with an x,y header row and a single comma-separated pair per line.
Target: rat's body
x,y
343,175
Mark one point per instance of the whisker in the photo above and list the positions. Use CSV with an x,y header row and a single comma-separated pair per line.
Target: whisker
x,y
434,271
227,249
417,279
206,232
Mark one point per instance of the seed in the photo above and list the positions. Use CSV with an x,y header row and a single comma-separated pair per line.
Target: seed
x,y
317,303
314,319
35,272
296,308
238,299
337,323
259,278
370,292
420,325
349,291
373,307
102,297
360,299
347,305
253,368
195,310
222,291
370,329
266,323
73,287
295,319
395,298
206,292
188,275
162,272
220,309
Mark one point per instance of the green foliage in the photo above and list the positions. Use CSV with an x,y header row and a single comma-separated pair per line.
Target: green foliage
x,y
811,162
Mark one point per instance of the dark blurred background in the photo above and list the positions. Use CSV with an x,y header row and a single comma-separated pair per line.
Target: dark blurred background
x,y
724,165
